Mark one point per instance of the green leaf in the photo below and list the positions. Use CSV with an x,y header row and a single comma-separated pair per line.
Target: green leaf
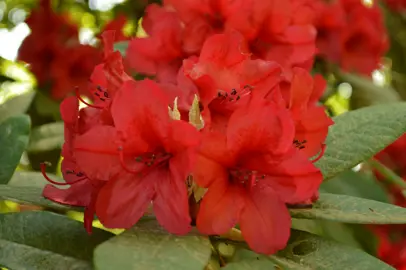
x,y
33,196
250,265
16,106
35,235
14,133
349,209
121,47
356,184
360,134
46,137
307,251
148,246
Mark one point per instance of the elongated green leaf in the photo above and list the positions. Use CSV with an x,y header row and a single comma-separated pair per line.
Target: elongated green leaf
x,y
148,246
121,47
46,137
308,251
14,132
349,209
359,134
16,105
31,195
356,184
18,256
43,231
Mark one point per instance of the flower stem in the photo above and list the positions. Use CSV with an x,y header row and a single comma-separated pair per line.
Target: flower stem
x,y
389,175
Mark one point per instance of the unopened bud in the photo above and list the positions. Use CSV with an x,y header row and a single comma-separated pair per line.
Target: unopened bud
x,y
174,114
195,118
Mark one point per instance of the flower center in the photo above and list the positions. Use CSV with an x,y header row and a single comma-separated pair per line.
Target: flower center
x,y
81,176
234,95
151,160
299,144
100,93
245,178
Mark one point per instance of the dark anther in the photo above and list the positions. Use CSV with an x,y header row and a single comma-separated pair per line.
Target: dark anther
x,y
99,88
102,99
138,159
97,94
238,98
106,94
69,171
80,174
233,92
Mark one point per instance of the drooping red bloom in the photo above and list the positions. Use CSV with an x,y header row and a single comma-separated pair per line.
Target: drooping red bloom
x,y
352,35
251,171
82,190
302,94
147,157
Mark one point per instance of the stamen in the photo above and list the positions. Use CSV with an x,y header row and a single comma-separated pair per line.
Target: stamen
x,y
84,102
321,154
44,173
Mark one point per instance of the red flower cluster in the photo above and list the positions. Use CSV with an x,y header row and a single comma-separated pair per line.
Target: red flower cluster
x,y
290,32
239,126
352,34
52,39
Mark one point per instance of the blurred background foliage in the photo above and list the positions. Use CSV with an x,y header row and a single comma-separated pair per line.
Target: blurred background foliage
x,y
345,92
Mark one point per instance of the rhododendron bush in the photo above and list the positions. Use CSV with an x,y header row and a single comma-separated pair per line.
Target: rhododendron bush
x,y
189,134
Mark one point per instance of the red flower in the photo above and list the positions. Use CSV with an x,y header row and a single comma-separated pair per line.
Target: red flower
x,y
353,35
160,52
73,71
49,34
146,157
251,171
225,75
311,121
82,190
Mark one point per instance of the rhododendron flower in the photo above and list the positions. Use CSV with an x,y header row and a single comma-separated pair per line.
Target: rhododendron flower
x,y
251,171
311,121
146,156
352,34
82,190
49,33
396,5
180,28
226,74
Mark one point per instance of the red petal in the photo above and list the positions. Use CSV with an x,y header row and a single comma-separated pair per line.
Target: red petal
x,y
207,171
260,127
123,201
108,42
171,201
140,113
70,110
78,194
220,208
96,153
295,179
300,91
98,77
182,135
224,50
265,222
